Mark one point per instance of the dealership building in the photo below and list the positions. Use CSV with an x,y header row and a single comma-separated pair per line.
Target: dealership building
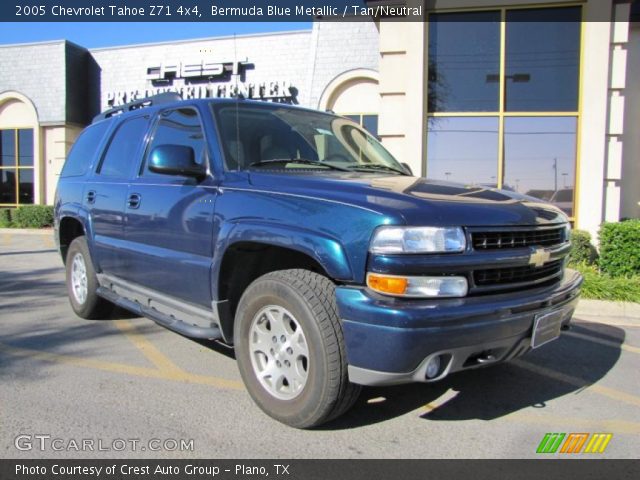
x,y
538,97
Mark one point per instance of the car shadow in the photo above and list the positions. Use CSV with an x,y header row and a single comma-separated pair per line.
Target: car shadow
x,y
562,367
578,359
52,339
217,346
31,294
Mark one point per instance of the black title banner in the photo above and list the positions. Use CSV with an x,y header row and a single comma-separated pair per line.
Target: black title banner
x,y
208,10
249,11
318,469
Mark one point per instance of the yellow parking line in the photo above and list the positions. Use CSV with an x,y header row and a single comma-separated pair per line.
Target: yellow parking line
x,y
555,421
440,401
580,383
122,368
612,322
147,348
601,341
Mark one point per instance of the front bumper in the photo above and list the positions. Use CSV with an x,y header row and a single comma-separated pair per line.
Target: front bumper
x,y
391,340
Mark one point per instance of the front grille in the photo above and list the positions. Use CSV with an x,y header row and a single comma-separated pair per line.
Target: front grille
x,y
517,275
518,238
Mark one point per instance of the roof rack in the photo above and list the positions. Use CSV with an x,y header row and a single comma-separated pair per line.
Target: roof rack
x,y
159,99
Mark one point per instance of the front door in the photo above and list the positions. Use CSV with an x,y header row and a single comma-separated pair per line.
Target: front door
x,y
169,219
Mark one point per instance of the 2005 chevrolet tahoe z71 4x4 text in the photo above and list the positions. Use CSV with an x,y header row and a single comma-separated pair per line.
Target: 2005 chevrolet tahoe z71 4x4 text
x,y
296,237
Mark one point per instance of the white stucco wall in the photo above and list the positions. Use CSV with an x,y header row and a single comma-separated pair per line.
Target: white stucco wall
x,y
57,143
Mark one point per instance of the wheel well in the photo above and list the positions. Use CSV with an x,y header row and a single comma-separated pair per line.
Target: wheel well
x,y
69,229
244,262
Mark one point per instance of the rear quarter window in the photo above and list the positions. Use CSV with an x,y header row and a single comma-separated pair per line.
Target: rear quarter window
x,y
84,150
123,147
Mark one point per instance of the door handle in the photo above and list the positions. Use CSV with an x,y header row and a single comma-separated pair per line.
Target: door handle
x,y
91,196
134,200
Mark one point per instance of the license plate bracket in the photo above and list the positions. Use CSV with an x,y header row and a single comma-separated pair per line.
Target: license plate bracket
x,y
546,327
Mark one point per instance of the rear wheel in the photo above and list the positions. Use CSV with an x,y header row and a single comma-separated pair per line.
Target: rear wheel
x,y
290,348
82,283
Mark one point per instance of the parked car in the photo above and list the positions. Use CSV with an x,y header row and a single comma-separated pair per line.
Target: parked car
x,y
294,236
563,199
541,194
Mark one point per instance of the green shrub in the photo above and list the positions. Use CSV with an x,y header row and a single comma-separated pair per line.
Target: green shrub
x,y
5,217
600,286
32,216
582,251
620,248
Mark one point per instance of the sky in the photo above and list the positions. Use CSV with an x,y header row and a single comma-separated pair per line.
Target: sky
x,y
95,35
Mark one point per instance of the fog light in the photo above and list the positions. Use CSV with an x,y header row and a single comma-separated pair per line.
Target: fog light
x,y
433,367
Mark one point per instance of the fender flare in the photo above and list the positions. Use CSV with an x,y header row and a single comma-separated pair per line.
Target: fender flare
x,y
325,250
81,215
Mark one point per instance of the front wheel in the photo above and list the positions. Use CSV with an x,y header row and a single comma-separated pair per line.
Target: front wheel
x,y
290,348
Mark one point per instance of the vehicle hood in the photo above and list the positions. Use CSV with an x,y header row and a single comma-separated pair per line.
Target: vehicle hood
x,y
414,200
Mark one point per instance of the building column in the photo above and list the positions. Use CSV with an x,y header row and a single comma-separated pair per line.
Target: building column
x,y
594,81
402,126
615,127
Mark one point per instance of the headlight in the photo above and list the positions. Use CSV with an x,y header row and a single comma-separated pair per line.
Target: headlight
x,y
418,287
389,240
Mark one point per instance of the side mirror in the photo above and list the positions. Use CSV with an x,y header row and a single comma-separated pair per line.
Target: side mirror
x,y
407,168
175,160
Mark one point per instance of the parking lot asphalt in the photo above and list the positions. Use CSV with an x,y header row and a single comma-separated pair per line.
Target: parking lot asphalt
x,y
125,387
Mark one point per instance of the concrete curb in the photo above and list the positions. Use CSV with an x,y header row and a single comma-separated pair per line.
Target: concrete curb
x,y
609,312
26,231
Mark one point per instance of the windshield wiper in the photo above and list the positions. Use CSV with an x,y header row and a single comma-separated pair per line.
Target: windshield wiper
x,y
377,166
303,161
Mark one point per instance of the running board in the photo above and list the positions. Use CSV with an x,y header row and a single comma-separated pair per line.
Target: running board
x,y
170,322
187,320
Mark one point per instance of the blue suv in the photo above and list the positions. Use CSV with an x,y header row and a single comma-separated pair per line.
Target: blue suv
x,y
294,236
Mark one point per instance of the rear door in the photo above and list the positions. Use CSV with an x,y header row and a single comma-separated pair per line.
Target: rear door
x,y
106,192
169,218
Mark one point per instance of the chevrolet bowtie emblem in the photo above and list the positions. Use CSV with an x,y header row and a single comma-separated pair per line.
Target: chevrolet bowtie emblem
x,y
539,257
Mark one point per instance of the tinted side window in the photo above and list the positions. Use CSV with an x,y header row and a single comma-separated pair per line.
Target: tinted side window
x,y
124,144
83,150
179,127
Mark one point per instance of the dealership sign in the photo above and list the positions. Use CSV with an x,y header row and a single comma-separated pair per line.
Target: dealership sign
x,y
167,71
205,79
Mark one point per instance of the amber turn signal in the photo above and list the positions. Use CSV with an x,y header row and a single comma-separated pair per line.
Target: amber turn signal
x,y
386,284
418,287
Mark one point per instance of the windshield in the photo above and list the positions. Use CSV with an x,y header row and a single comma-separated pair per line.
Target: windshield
x,y
256,136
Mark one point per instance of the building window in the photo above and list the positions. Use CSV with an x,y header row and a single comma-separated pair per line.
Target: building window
x,y
368,121
539,158
16,167
503,94
464,150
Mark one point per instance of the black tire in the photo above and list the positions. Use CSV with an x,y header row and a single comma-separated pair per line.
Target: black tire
x,y
310,298
93,306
